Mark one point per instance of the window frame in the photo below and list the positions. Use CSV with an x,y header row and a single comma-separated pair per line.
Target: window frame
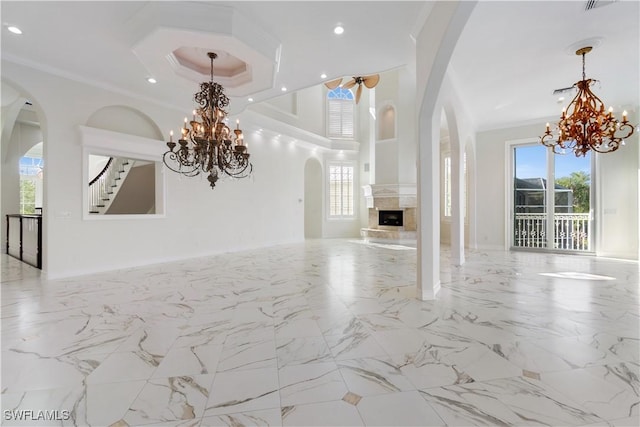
x,y
348,100
353,200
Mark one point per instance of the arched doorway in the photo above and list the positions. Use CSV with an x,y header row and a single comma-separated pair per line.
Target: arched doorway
x,y
21,161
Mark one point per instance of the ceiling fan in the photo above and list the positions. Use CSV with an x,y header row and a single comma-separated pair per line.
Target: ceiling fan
x,y
564,89
369,81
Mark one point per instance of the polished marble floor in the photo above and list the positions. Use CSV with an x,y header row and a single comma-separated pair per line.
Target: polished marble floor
x,y
325,332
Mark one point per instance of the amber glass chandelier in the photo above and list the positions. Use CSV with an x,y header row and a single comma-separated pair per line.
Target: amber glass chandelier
x,y
585,125
206,144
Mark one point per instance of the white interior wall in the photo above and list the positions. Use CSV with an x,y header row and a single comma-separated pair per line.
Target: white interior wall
x,y
261,211
457,135
616,200
310,115
313,212
303,109
96,164
387,149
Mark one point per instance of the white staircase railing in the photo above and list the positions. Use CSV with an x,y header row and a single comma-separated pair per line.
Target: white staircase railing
x,y
103,188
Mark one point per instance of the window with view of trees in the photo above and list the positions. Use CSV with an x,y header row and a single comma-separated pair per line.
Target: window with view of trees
x,y
27,196
30,171
579,182
341,190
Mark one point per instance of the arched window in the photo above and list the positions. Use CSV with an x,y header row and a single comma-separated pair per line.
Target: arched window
x,y
340,111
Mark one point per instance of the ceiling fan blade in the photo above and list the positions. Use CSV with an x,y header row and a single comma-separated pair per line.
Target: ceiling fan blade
x,y
563,90
371,81
358,93
348,85
333,83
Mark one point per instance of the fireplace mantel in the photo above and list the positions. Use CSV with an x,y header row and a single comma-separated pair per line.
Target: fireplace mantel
x,y
393,195
390,197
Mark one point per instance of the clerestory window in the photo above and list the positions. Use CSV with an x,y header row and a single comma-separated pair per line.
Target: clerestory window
x,y
340,113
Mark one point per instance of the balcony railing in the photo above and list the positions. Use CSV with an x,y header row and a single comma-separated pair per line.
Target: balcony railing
x,y
24,238
570,231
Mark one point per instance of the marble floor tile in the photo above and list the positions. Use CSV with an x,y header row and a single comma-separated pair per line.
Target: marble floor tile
x,y
369,376
125,366
458,406
264,418
406,341
533,400
532,357
194,360
297,328
577,352
327,332
481,363
248,355
335,413
313,382
354,345
170,399
243,391
597,392
398,409
24,372
297,351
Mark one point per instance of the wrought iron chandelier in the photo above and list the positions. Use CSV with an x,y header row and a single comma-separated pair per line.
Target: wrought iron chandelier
x,y
585,125
207,145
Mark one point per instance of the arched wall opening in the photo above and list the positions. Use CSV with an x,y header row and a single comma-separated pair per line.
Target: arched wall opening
x,y
386,120
455,182
445,180
122,172
470,196
23,128
434,46
125,120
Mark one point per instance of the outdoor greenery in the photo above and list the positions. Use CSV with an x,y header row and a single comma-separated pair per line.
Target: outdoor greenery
x,y
580,183
27,196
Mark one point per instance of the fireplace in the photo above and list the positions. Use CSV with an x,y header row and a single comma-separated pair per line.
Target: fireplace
x,y
392,212
393,218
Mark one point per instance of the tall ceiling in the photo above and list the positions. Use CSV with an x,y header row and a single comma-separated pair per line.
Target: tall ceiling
x,y
509,59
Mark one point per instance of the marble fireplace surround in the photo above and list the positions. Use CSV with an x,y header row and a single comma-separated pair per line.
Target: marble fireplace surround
x,y
389,197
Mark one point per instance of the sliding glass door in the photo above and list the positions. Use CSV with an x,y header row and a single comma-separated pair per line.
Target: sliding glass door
x,y
551,200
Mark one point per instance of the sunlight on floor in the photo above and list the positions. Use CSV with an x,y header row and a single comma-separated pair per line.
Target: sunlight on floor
x,y
577,276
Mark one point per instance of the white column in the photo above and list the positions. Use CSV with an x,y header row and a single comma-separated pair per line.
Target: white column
x,y
429,210
457,180
457,203
434,46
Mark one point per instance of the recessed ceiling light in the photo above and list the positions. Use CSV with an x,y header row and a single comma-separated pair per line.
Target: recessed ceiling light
x,y
323,76
561,99
283,88
152,80
338,29
14,30
250,99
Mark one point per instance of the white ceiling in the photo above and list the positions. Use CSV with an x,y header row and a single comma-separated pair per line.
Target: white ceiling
x,y
509,58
